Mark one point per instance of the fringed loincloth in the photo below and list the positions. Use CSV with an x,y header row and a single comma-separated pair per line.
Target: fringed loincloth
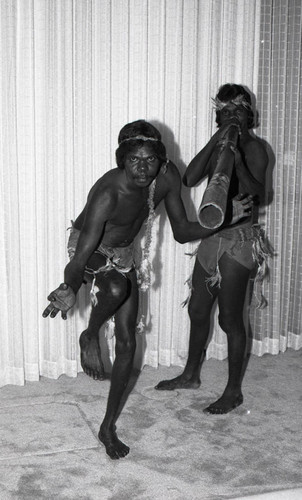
x,y
121,259
246,244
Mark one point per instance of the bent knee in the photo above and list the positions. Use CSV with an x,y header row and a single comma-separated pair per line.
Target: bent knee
x,y
118,290
117,287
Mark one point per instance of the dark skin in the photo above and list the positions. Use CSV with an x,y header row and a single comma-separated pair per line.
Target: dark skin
x,y
116,208
250,163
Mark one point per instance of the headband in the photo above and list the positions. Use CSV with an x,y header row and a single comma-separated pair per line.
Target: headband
x,y
240,100
140,137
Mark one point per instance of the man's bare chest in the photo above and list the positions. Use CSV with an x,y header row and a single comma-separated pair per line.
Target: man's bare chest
x,y
132,209
128,210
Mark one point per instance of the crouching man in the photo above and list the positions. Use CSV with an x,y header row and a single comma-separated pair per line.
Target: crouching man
x,y
101,251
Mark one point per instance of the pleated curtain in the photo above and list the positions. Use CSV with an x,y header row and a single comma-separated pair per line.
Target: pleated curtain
x,y
72,74
278,326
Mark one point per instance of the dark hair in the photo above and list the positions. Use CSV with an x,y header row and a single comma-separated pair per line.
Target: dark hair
x,y
129,140
230,91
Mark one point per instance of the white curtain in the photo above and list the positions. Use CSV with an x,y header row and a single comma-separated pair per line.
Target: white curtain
x,y
280,104
73,72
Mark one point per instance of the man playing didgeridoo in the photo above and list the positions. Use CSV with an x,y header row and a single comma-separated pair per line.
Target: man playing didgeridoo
x,y
225,260
101,251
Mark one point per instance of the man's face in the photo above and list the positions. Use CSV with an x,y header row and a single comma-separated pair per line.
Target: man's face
x,y
141,165
231,111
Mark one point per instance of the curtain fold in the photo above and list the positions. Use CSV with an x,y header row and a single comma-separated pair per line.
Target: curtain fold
x,y
73,73
279,96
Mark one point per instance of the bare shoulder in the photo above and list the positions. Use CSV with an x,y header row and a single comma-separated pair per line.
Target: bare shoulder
x,y
172,169
168,182
170,175
103,195
255,147
107,185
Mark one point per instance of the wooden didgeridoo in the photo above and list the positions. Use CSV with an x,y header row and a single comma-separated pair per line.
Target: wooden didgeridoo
x,y
211,212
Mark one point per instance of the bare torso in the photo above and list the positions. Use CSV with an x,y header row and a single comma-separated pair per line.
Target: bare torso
x,y
130,209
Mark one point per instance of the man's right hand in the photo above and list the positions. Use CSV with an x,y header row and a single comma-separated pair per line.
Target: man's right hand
x,y
62,299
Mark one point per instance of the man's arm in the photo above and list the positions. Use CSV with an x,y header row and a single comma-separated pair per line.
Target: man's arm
x,y
183,229
98,209
198,168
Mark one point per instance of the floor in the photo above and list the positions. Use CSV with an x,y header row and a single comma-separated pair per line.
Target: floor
x,y
49,446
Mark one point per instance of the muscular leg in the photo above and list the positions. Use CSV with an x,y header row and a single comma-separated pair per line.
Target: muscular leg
x,y
113,290
125,324
200,307
231,299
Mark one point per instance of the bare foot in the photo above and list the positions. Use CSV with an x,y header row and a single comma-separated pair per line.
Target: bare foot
x,y
91,360
179,382
225,404
114,447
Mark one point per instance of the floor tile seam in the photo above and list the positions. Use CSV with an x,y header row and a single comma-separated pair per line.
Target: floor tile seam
x,y
65,401
49,454
37,403
86,420
138,470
